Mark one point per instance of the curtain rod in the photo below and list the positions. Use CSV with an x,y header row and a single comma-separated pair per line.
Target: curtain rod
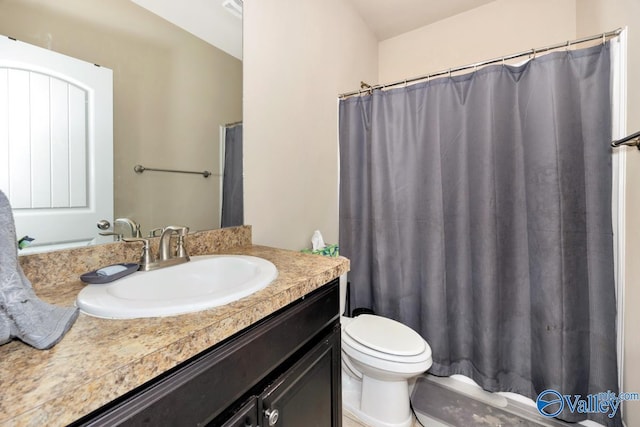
x,y
228,125
367,89
632,140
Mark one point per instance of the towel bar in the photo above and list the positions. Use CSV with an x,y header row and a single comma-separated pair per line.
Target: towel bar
x,y
140,169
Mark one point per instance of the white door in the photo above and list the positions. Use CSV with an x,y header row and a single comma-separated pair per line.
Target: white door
x,y
56,143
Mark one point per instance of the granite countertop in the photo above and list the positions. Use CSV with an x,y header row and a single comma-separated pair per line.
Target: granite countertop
x,y
99,360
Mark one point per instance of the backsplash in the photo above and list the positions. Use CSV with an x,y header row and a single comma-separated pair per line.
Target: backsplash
x,y
54,268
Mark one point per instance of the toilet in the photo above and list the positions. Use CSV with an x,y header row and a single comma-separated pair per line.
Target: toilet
x,y
380,357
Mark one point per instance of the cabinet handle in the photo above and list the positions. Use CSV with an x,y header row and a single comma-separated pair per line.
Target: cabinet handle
x,y
272,415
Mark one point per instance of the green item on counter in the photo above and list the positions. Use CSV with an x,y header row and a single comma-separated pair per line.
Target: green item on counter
x,y
25,241
329,250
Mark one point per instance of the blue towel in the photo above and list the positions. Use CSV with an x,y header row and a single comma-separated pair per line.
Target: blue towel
x,y
22,314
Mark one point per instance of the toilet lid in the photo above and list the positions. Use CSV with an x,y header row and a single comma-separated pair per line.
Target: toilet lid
x,y
385,335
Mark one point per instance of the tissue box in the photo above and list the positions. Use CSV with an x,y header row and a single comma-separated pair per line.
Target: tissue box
x,y
329,250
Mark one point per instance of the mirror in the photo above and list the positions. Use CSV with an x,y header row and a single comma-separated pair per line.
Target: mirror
x,y
172,95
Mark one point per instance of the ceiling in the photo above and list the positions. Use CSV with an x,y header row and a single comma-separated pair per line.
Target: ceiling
x,y
389,18
208,20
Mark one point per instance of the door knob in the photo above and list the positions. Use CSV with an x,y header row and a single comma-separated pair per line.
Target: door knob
x,y
272,416
103,224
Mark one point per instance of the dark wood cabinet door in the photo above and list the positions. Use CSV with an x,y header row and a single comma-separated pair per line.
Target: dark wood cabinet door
x,y
308,394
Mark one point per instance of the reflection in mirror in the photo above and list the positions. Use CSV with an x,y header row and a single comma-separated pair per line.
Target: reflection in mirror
x,y
232,209
56,142
172,95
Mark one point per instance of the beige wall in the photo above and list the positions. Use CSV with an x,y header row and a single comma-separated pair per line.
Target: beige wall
x,y
172,91
490,31
595,16
298,56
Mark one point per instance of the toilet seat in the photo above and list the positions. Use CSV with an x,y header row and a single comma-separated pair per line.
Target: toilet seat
x,y
385,339
379,358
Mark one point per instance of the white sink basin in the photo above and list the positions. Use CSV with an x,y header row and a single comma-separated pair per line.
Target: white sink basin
x,y
204,282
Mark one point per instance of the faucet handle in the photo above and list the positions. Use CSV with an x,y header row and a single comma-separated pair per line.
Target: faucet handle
x,y
118,236
182,231
147,257
152,233
181,251
136,239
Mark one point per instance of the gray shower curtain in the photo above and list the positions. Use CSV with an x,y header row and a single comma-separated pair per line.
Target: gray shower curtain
x,y
477,210
232,185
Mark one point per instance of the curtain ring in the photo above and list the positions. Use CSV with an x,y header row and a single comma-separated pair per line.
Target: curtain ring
x,y
449,72
503,61
568,45
603,38
533,53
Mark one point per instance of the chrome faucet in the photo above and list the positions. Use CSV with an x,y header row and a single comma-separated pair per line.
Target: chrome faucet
x,y
165,242
165,257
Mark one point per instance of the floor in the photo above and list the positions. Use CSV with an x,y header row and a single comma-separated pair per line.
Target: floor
x,y
349,420
452,403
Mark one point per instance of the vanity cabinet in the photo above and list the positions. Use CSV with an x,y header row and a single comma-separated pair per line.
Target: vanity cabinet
x,y
282,371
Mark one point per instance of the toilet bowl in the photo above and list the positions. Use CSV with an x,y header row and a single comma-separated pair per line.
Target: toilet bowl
x,y
379,358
